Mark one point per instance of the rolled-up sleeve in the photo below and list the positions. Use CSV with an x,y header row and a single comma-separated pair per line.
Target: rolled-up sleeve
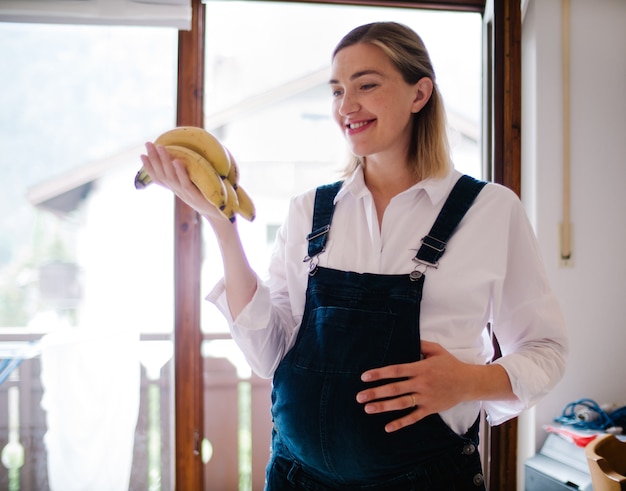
x,y
265,328
534,361
252,329
254,316
528,324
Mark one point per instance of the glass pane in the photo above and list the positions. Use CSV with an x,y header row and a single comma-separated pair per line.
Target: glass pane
x,y
267,99
86,285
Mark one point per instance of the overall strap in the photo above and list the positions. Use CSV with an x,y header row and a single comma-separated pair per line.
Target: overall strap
x,y
322,216
459,201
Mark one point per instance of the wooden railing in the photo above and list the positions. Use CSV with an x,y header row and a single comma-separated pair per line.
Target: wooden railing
x,y
237,424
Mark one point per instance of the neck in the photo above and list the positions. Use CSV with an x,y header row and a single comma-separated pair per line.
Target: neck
x,y
386,182
388,179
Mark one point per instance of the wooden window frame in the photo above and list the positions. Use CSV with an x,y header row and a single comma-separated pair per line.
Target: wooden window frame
x,y
502,163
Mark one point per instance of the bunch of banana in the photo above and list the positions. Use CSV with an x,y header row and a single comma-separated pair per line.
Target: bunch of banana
x,y
210,166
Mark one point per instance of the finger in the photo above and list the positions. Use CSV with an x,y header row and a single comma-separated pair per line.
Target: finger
x,y
147,165
407,420
404,401
188,188
169,168
191,194
152,162
387,391
428,348
153,153
388,372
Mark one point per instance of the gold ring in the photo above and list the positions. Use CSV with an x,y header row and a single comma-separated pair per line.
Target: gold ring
x,y
413,399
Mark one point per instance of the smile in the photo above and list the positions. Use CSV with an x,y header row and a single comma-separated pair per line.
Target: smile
x,y
356,126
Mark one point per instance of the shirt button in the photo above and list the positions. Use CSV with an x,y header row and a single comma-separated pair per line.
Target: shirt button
x,y
469,449
478,480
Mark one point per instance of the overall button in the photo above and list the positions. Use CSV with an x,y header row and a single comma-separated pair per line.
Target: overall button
x,y
478,480
469,449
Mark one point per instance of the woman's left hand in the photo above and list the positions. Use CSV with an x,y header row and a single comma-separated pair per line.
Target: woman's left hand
x,y
433,384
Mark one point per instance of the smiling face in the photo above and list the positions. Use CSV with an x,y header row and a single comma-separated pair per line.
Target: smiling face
x,y
373,104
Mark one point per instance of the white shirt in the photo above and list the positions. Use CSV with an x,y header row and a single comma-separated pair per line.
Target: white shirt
x,y
491,272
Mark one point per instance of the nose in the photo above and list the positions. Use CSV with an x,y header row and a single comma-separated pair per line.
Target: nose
x,y
348,104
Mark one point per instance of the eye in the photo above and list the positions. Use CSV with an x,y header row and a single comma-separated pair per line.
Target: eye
x,y
336,92
369,86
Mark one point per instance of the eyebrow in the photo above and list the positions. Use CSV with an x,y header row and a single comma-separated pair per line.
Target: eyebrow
x,y
356,75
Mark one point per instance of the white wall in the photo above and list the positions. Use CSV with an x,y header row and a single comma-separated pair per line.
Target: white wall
x,y
592,289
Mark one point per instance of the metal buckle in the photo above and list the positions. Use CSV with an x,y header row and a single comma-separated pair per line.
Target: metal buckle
x,y
313,262
426,263
433,243
320,232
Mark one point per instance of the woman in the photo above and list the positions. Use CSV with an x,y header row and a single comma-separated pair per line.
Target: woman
x,y
376,342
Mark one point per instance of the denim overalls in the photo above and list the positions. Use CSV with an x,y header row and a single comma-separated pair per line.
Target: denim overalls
x,y
323,439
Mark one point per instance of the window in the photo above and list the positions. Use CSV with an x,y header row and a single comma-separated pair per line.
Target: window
x,y
86,283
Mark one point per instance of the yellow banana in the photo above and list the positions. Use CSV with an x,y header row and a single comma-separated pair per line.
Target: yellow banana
x,y
233,174
201,141
201,173
246,207
232,203
210,166
142,179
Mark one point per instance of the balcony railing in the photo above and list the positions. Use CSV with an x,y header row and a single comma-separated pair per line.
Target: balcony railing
x,y
237,421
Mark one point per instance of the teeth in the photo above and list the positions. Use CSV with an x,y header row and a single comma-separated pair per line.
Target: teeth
x,y
354,126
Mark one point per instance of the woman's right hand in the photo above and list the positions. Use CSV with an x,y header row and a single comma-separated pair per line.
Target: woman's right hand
x,y
171,174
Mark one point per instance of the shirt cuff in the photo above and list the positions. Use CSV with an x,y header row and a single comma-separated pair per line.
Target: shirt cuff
x,y
254,316
528,389
499,412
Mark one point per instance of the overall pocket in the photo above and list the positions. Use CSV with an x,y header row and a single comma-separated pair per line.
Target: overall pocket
x,y
344,340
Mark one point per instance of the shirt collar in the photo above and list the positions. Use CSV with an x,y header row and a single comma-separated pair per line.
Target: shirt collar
x,y
436,188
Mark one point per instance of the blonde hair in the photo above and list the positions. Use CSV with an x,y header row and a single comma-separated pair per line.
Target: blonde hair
x,y
429,152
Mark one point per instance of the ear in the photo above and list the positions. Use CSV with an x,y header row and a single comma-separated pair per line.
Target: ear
x,y
423,91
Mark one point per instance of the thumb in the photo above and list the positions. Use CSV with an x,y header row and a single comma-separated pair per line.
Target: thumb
x,y
429,348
